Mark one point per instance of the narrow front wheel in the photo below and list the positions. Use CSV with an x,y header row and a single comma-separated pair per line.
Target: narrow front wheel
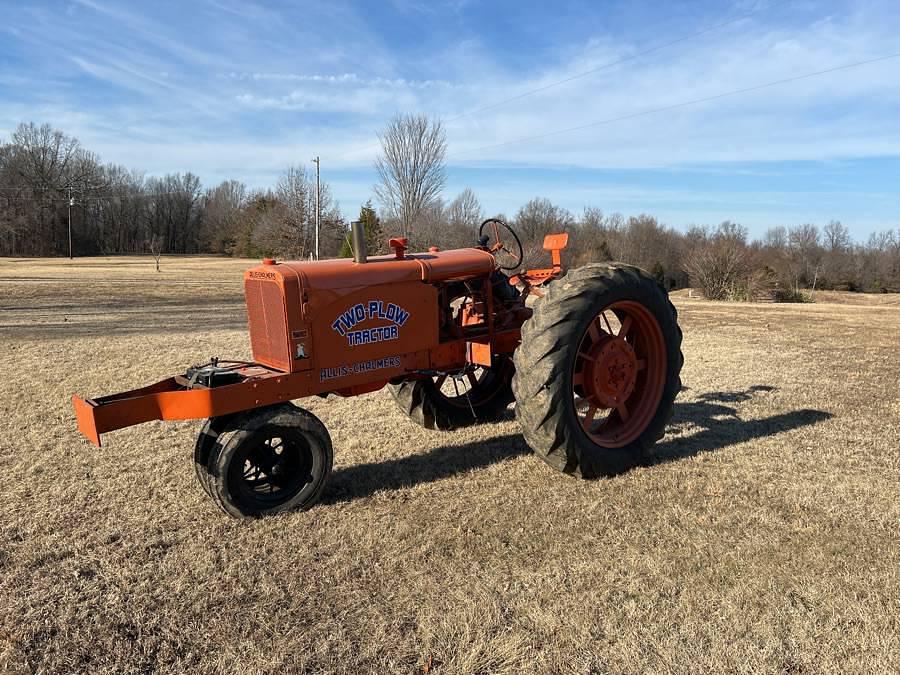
x,y
266,461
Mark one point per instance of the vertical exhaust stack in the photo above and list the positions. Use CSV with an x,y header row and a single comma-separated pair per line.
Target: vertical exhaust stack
x,y
358,235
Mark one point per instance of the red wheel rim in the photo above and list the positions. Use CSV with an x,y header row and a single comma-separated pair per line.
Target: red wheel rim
x,y
619,374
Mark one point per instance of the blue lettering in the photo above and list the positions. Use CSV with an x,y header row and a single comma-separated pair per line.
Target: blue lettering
x,y
347,319
373,309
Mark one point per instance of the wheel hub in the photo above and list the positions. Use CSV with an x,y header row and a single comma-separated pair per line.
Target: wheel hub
x,y
612,372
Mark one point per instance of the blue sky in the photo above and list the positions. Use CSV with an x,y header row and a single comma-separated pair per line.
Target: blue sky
x,y
237,89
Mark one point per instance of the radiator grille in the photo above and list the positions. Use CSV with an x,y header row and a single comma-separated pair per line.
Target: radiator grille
x,y
268,330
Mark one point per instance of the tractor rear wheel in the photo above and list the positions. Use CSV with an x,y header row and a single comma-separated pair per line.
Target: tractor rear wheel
x,y
264,461
598,370
449,402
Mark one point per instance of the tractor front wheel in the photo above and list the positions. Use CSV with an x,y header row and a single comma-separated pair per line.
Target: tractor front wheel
x,y
598,370
264,461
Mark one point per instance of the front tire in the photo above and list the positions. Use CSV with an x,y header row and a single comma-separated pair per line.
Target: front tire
x,y
265,461
598,370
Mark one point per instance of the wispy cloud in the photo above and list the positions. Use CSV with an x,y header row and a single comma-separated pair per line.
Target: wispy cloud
x,y
224,84
341,79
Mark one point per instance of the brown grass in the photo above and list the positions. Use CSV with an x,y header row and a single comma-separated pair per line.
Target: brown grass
x,y
829,297
766,539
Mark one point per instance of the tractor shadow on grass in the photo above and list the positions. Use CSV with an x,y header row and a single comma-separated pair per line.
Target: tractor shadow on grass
x,y
713,412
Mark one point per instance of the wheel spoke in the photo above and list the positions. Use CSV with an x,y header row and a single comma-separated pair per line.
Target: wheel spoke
x,y
586,357
440,381
622,409
589,417
594,331
578,379
625,327
473,379
270,468
515,258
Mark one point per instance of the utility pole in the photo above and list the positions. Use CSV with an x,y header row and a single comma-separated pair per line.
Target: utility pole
x,y
71,204
316,160
70,188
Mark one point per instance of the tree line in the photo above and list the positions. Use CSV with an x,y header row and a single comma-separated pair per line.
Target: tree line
x,y
47,180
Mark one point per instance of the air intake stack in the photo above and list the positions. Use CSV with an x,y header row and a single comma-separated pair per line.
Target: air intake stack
x,y
358,235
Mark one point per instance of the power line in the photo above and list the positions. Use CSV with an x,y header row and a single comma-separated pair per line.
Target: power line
x,y
683,104
617,62
146,195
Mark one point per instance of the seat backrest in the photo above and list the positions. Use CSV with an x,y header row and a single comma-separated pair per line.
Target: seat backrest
x,y
556,242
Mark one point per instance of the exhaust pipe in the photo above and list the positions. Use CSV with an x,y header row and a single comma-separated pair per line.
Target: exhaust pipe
x,y
358,235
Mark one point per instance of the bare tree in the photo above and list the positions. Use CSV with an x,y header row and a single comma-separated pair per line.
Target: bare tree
x,y
776,237
155,245
540,217
592,241
221,212
51,160
718,268
723,266
465,210
643,242
262,226
411,167
881,260
464,215
836,260
432,227
837,236
592,220
803,244
174,211
296,191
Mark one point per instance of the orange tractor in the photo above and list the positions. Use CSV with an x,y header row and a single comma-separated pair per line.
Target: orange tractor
x,y
593,363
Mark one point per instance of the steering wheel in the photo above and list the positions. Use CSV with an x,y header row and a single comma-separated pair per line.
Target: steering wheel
x,y
507,259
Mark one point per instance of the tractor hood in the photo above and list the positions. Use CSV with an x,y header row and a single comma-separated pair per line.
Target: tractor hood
x,y
292,307
433,267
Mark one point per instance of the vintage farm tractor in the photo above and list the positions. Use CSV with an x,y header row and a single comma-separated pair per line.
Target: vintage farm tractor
x,y
593,363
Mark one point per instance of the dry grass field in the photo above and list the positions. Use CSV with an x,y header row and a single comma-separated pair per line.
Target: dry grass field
x,y
766,537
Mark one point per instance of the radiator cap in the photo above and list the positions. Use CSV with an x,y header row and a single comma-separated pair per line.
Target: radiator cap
x,y
269,261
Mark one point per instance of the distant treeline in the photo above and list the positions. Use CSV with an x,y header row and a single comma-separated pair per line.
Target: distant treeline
x,y
45,175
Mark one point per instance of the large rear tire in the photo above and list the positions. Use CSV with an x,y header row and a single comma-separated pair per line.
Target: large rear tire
x,y
264,461
598,370
446,403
